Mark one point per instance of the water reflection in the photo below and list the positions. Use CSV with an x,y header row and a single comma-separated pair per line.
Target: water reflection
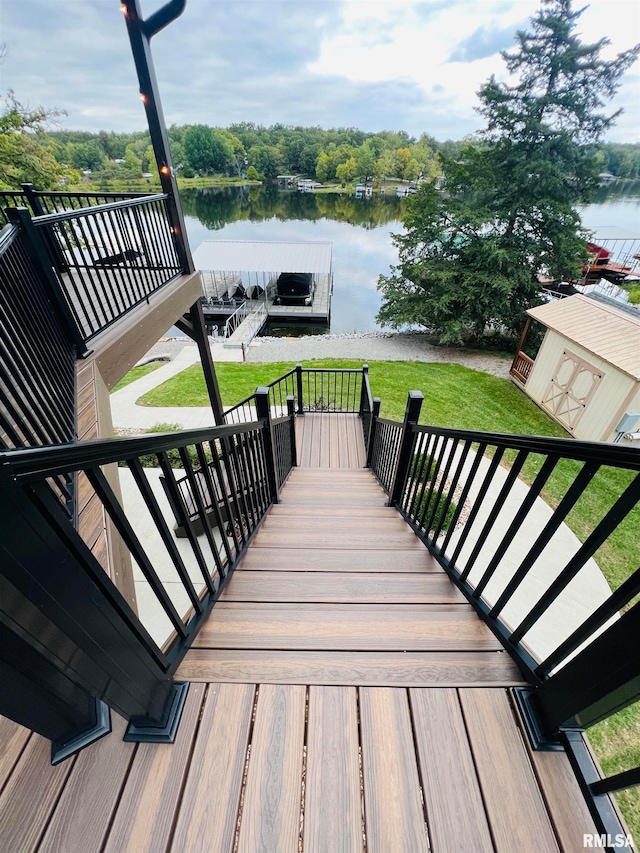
x,y
359,229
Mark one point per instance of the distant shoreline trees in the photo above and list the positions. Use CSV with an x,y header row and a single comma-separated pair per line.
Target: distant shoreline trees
x,y
327,155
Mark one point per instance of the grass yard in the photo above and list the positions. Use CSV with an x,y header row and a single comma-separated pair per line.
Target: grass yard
x,y
456,396
136,373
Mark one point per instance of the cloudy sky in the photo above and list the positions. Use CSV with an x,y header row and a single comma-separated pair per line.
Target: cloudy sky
x,y
372,64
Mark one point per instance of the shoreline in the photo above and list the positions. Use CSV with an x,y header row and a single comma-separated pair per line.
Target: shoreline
x,y
358,346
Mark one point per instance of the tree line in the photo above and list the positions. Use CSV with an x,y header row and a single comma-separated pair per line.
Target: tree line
x,y
31,151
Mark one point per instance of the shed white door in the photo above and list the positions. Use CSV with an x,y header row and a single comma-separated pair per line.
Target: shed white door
x,y
573,384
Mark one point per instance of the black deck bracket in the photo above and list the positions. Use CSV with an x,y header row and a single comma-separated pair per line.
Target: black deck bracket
x,y
538,740
61,750
164,730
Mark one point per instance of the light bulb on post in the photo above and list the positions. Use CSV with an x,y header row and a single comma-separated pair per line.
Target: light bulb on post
x,y
123,9
143,97
165,170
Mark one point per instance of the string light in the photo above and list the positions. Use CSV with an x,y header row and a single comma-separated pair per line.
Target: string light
x,y
165,170
123,9
143,97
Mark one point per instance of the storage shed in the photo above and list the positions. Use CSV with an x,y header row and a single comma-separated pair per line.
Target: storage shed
x,y
586,374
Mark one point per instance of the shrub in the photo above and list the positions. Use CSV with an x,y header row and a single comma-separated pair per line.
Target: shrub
x,y
423,464
150,460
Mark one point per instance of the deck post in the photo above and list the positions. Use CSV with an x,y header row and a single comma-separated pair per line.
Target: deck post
x,y
263,413
140,34
299,389
372,432
291,412
68,635
363,389
597,682
197,331
411,415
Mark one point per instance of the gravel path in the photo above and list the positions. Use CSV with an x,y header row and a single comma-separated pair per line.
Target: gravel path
x,y
375,346
371,346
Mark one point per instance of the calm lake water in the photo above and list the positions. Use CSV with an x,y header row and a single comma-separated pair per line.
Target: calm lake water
x,y
360,231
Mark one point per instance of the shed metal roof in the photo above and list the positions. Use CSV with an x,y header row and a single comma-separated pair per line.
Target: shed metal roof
x,y
248,256
611,334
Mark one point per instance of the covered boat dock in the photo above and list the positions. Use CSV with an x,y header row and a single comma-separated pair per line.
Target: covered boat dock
x,y
237,273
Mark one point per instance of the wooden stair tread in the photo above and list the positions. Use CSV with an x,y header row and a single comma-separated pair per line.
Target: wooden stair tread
x,y
365,560
397,669
340,540
424,627
340,587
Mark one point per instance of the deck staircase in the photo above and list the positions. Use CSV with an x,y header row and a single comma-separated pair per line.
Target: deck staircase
x,y
337,614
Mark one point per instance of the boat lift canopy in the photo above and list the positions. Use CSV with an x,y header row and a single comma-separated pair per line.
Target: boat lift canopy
x,y
273,257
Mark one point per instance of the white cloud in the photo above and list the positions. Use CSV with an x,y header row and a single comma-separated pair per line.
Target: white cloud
x,y
373,64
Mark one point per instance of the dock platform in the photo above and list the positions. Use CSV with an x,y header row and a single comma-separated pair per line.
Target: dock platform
x,y
229,269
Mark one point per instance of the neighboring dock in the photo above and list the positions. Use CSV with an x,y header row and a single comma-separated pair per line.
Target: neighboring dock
x,y
239,282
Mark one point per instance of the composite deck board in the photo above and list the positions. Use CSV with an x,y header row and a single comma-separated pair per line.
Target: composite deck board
x,y
457,820
394,816
564,800
365,560
325,439
30,796
323,525
341,587
395,669
348,627
333,812
293,512
341,540
270,817
149,802
208,814
86,806
13,739
508,783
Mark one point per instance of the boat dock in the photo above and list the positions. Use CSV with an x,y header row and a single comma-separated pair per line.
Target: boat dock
x,y
239,281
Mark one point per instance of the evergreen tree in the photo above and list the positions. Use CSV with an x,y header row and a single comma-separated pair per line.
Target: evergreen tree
x,y
472,258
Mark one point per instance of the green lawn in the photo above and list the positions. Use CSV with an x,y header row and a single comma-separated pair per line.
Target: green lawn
x,y
136,373
456,396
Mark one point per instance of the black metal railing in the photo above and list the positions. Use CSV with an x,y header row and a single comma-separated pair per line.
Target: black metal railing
x,y
95,638
63,202
366,407
11,198
108,258
315,389
279,390
384,452
37,361
461,492
39,202
283,431
333,390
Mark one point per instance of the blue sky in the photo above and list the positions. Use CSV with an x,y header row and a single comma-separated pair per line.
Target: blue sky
x,y
376,65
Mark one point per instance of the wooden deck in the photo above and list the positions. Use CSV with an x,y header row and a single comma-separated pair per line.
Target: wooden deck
x,y
344,698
